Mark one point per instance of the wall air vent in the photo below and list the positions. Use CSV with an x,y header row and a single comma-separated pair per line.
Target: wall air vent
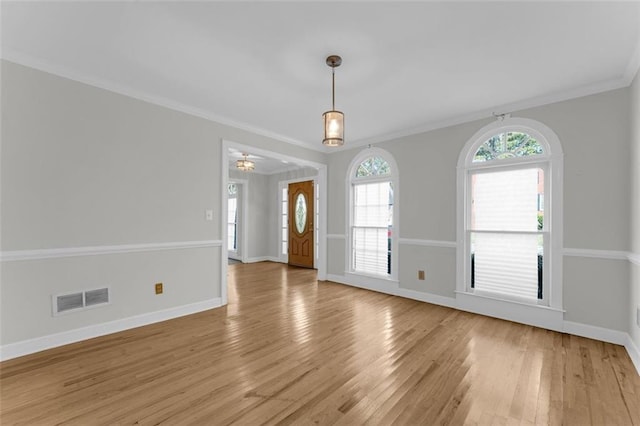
x,y
96,297
69,302
73,302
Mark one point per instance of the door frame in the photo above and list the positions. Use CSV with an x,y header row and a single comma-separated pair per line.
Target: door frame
x,y
322,216
244,221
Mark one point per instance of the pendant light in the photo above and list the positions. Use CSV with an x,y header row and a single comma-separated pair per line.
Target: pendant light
x,y
333,120
245,165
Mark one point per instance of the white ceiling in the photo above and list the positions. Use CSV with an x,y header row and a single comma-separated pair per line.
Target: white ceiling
x,y
263,164
407,67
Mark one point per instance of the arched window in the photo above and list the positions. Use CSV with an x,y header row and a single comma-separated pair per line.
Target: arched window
x,y
373,188
510,177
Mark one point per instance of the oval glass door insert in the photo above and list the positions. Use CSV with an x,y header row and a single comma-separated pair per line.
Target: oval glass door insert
x,y
301,213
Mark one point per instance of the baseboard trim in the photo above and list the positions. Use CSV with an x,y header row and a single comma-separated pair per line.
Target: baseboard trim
x,y
263,259
434,299
551,321
375,285
17,255
26,347
633,351
595,332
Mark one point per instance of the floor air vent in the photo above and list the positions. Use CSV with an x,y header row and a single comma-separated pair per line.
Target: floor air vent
x,y
78,301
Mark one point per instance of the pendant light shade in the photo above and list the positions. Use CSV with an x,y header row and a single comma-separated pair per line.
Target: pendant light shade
x,y
333,120
333,128
245,165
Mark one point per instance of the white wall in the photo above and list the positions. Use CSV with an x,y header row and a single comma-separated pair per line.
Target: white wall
x,y
594,133
84,167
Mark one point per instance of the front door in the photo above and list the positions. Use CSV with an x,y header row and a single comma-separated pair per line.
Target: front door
x,y
301,214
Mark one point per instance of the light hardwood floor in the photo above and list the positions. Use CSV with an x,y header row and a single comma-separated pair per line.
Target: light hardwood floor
x,y
290,350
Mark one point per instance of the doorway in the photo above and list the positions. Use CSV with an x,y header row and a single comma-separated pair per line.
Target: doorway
x,y
229,152
301,202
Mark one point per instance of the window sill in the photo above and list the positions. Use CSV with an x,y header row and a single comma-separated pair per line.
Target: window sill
x,y
537,315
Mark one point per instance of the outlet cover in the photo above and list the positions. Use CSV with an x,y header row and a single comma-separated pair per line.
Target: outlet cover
x,y
159,288
421,275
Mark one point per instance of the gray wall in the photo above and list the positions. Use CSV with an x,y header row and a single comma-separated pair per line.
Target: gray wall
x,y
634,299
82,166
258,204
594,133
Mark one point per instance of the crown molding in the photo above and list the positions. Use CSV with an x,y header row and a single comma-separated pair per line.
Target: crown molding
x,y
60,71
591,89
586,90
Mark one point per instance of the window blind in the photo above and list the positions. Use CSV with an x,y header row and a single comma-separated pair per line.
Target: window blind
x,y
372,206
505,261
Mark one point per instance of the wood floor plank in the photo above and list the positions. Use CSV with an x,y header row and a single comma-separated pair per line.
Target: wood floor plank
x,y
288,349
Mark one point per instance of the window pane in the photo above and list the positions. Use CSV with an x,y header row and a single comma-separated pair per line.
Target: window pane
x,y
284,221
372,204
231,236
507,145
373,166
284,247
370,250
507,201
509,264
372,220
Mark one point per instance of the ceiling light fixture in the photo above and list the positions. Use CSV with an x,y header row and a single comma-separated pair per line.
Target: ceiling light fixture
x,y
245,165
333,120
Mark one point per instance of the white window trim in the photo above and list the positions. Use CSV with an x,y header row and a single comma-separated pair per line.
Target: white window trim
x,y
394,177
552,158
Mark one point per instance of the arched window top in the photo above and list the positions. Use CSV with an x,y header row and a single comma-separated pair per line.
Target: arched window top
x,y
373,166
508,145
510,141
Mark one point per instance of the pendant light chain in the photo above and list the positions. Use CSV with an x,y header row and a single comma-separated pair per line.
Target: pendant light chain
x,y
333,88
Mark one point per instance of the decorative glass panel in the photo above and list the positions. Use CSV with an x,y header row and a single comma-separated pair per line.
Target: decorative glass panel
x,y
233,189
301,213
507,145
373,166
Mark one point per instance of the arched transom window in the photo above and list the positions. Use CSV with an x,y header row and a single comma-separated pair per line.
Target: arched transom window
x,y
507,221
372,200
